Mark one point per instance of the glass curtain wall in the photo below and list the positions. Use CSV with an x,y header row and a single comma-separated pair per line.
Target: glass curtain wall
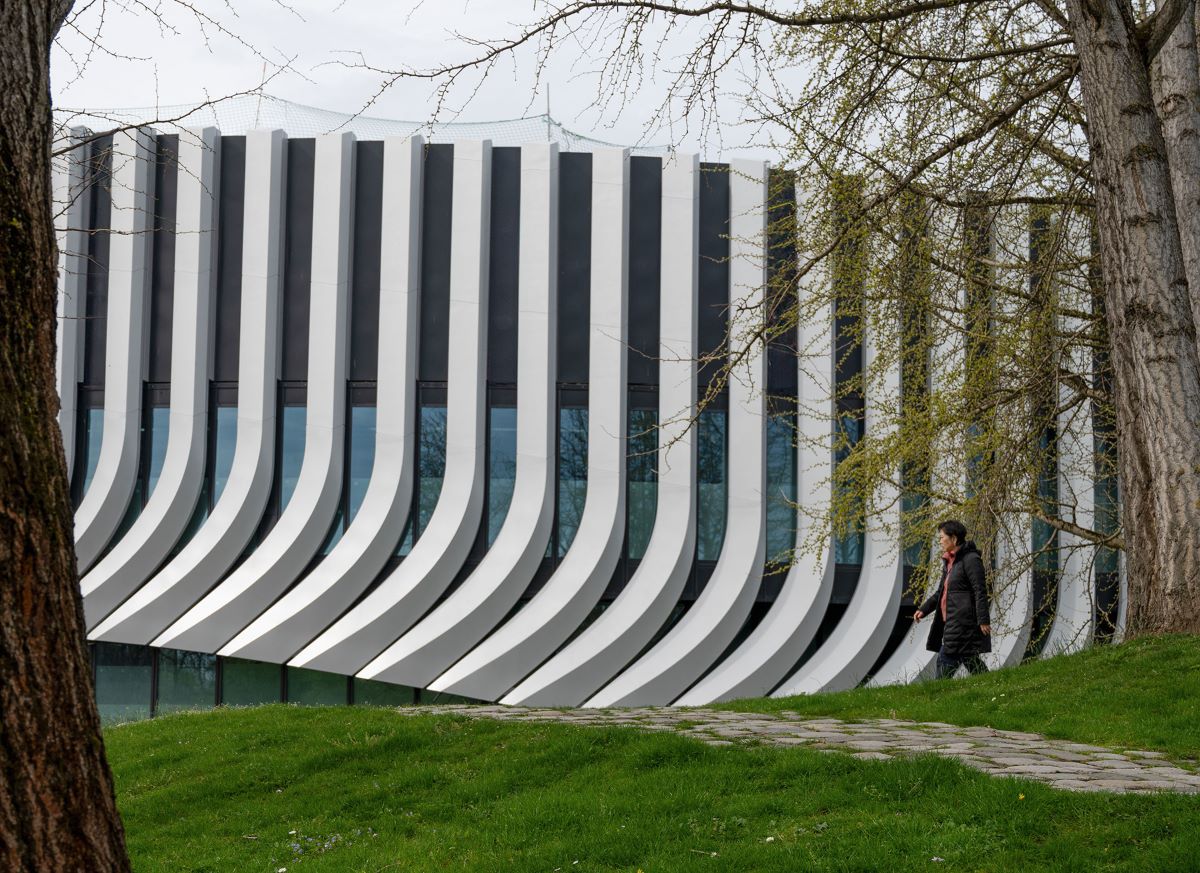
x,y
124,681
431,469
186,680
359,462
91,433
711,501
502,466
642,480
781,491
572,474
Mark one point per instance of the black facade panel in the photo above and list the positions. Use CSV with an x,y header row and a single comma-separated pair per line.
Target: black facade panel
x,y
162,276
229,258
574,265
435,262
99,218
503,266
364,272
645,267
714,267
297,269
781,277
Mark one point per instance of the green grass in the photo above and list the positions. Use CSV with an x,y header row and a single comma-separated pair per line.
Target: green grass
x,y
1143,694
367,790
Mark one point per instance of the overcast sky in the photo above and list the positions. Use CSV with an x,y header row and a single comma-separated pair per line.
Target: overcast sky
x,y
143,64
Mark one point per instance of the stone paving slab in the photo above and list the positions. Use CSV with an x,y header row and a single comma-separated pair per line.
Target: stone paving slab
x,y
1001,753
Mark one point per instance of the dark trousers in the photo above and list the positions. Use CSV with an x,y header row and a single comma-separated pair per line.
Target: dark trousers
x,y
947,665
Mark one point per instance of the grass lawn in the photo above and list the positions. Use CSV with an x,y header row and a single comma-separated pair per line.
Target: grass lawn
x,y
1143,694
359,789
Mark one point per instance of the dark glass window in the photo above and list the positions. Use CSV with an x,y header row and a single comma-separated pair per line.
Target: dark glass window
x,y
315,688
186,680
431,469
1045,537
368,692
93,434
362,457
781,490
710,483
502,466
291,452
160,419
361,441
226,441
123,681
245,683
847,548
642,500
572,473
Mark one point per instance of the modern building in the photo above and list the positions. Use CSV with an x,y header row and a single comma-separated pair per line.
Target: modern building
x,y
380,420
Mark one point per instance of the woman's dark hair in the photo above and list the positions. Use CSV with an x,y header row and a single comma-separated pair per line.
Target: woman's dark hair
x,y
954,529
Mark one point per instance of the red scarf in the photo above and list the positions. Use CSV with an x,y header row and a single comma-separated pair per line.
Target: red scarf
x,y
949,556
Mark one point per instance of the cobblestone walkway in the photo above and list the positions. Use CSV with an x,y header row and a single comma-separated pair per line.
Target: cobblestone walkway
x,y
1071,766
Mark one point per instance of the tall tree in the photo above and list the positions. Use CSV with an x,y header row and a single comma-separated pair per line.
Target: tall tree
x,y
57,806
1088,110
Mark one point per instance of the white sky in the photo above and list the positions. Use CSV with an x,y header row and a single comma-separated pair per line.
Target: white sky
x,y
154,66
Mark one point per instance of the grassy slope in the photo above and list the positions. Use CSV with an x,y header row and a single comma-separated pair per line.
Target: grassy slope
x,y
220,791
1143,694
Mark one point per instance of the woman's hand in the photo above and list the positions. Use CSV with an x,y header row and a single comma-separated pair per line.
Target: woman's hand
x,y
987,629
918,615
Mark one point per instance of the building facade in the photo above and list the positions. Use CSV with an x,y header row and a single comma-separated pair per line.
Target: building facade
x,y
380,421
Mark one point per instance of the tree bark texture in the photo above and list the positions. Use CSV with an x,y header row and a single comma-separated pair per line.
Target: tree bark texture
x,y
57,806
1175,83
1151,327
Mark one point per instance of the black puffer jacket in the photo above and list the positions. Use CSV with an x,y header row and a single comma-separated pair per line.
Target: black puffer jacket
x,y
966,606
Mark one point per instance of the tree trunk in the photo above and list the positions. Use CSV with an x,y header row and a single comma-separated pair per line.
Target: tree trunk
x,y
57,807
1175,84
1154,353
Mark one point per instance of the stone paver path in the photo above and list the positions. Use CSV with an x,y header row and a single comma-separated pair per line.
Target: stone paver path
x,y
1062,764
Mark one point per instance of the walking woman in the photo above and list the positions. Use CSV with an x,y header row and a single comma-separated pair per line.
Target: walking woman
x,y
962,626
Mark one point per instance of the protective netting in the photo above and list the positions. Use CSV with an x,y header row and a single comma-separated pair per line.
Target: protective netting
x,y
236,115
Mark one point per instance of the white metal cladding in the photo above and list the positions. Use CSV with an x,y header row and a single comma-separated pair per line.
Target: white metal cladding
x,y
845,657
486,596
439,618
169,508
113,483
427,571
344,574
304,523
589,661
692,645
220,540
72,196
561,606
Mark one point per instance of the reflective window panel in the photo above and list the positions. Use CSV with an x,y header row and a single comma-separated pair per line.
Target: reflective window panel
x,y
781,490
848,548
362,456
315,688
93,433
186,680
642,500
245,683
159,422
226,440
431,469
502,466
572,473
123,679
291,451
710,483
